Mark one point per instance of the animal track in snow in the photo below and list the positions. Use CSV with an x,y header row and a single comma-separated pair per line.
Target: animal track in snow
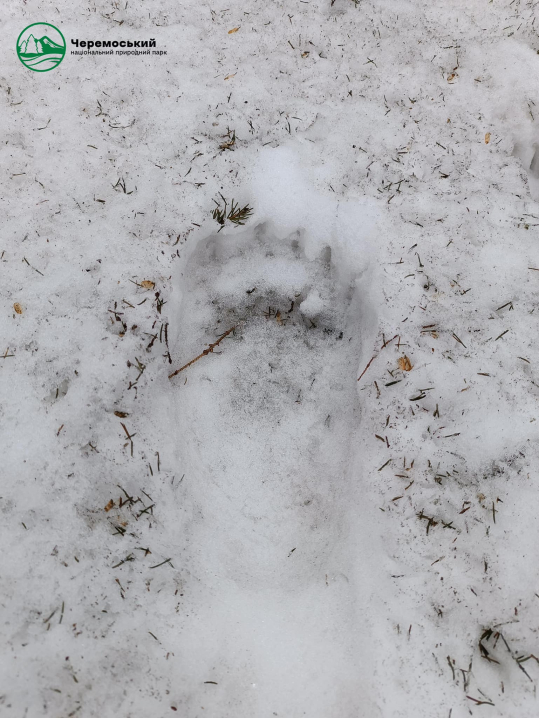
x,y
266,418
272,523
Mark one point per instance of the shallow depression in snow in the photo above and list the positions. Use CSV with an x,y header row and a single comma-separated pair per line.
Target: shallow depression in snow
x,y
265,425
265,419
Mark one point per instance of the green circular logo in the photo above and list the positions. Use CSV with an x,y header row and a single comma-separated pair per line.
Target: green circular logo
x,y
41,47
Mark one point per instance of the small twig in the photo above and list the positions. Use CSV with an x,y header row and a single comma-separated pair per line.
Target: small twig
x,y
35,270
480,703
384,345
204,353
459,341
168,560
129,436
368,365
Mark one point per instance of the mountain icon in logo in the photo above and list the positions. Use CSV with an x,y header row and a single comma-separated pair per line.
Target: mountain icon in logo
x,y
41,47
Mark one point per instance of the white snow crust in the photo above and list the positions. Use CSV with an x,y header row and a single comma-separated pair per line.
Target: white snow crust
x,y
332,513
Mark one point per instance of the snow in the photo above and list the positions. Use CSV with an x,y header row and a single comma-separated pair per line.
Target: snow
x,y
263,533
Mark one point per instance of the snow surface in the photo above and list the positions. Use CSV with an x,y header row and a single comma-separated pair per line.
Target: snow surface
x,y
263,534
